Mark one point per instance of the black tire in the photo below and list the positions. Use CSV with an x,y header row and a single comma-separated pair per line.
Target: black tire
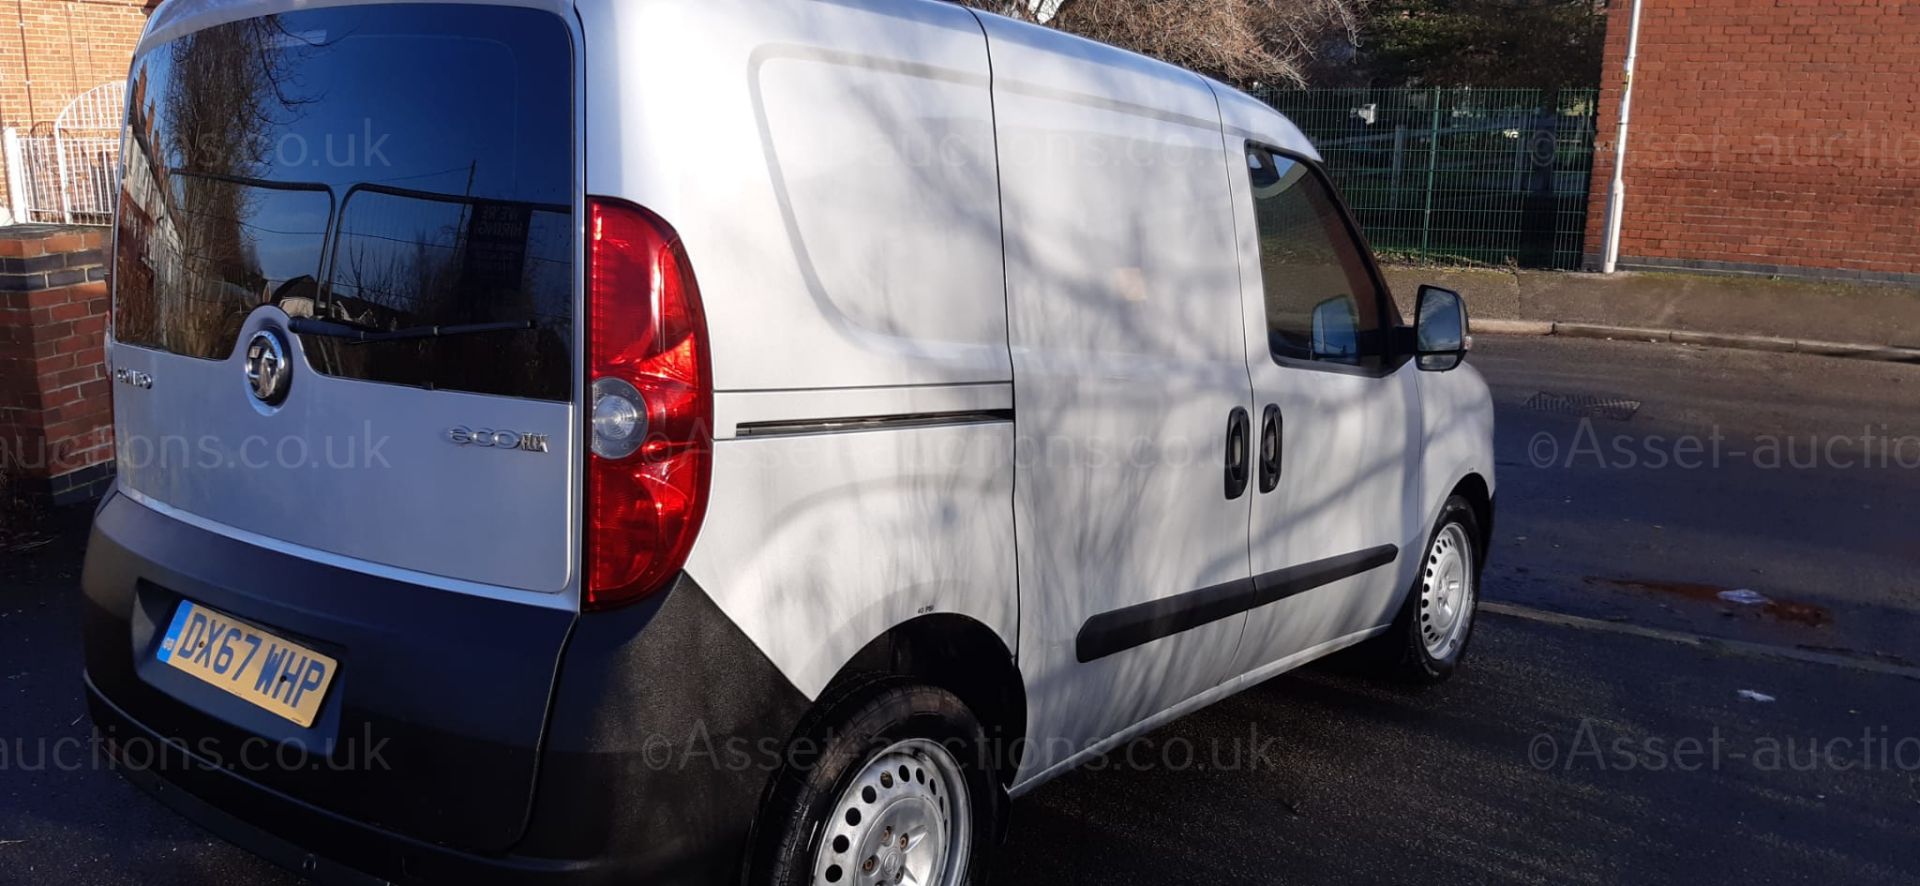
x,y
852,725
1401,653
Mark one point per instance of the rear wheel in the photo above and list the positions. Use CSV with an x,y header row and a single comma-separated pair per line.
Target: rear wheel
x,y
889,792
1429,636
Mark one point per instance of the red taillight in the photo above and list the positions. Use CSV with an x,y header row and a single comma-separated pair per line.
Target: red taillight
x,y
650,414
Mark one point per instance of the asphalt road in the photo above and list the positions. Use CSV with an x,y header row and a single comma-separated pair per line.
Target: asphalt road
x,y
1561,754
1791,476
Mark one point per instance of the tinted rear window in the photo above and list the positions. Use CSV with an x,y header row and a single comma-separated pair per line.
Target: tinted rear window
x,y
389,167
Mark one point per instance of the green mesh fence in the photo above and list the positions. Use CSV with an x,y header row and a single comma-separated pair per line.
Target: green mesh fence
x,y
1457,176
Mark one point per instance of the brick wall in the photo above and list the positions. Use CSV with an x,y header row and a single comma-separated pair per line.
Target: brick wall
x,y
53,50
1773,136
56,411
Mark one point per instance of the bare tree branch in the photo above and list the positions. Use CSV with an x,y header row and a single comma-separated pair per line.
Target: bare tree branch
x,y
1245,42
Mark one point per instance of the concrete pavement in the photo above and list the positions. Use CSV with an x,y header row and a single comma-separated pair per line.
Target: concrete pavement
x,y
1689,304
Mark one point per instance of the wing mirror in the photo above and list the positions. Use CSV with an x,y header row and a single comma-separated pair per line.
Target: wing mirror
x,y
1440,331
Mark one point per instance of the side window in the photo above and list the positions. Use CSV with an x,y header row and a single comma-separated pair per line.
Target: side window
x,y
1321,303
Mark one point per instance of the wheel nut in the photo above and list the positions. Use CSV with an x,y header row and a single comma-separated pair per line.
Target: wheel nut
x,y
871,863
903,842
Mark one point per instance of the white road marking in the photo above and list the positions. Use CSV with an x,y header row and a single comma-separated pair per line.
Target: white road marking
x,y
1703,641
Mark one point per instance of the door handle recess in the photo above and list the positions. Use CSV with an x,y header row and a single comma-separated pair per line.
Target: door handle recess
x,y
1239,459
1271,444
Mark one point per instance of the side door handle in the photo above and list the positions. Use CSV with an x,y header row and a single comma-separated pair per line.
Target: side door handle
x,y
1239,459
1271,443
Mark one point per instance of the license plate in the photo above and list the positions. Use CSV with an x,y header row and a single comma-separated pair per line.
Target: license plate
x,y
283,677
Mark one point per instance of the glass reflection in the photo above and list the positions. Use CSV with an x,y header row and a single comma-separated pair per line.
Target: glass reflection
x,y
385,166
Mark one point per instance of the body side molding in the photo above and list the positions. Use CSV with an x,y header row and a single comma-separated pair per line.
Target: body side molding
x,y
1122,629
870,423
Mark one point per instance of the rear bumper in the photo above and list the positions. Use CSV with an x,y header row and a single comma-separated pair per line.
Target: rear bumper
x,y
332,849
633,769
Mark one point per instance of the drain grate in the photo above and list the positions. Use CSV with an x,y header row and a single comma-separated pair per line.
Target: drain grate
x,y
1584,405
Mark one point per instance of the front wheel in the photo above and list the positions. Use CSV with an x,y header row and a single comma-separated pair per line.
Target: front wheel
x,y
895,795
1429,636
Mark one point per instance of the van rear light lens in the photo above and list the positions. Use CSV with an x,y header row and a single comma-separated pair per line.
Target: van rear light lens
x,y
651,455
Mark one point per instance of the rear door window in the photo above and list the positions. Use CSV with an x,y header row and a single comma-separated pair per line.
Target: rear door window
x,y
385,167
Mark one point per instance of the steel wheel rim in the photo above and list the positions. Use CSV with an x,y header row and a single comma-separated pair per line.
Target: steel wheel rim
x,y
1446,592
904,820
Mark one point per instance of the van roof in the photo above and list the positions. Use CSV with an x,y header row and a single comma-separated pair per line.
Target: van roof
x,y
175,18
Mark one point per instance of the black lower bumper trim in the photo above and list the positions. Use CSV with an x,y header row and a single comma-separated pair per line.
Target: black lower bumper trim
x,y
667,726
167,768
654,728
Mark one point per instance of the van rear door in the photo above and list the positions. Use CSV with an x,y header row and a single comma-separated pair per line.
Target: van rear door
x,y
348,258
386,169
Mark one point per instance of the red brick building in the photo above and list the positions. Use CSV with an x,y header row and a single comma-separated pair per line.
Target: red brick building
x,y
53,50
1767,136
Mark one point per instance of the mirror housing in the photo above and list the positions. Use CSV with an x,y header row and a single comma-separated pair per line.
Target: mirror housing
x,y
1441,336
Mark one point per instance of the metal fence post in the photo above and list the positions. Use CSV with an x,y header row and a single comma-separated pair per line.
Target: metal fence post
x,y
1522,147
60,157
19,199
1433,164
1399,166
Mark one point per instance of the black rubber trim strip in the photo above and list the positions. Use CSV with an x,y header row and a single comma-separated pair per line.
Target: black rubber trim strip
x,y
1272,587
1142,623
790,427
